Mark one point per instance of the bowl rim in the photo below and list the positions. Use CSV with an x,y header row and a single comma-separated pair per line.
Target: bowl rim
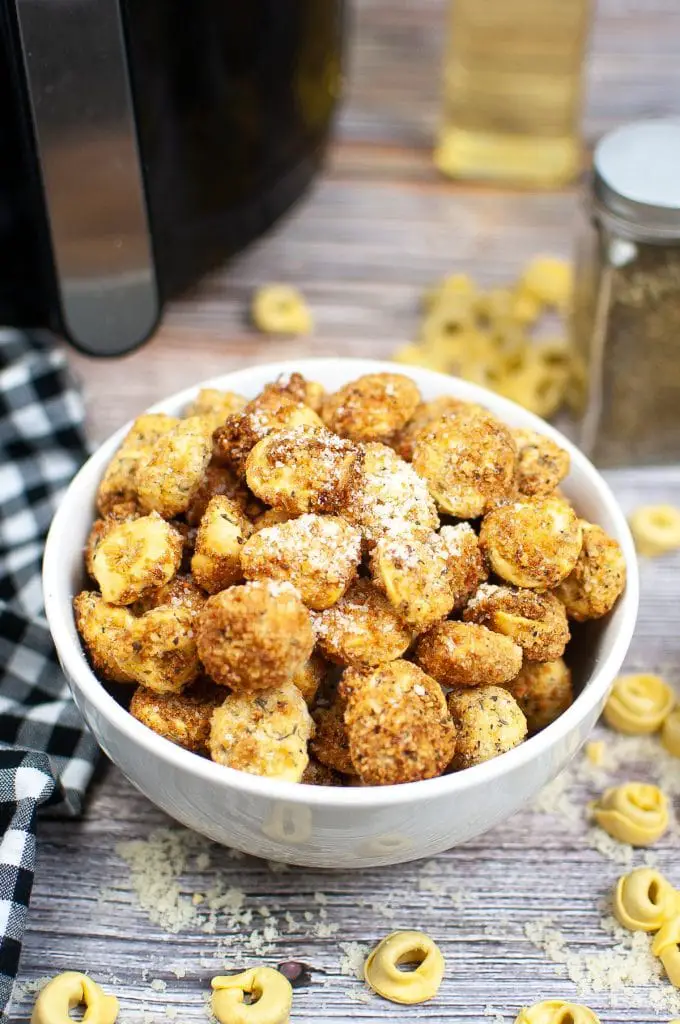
x,y
84,682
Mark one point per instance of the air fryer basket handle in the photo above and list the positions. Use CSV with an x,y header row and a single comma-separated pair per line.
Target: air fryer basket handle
x,y
75,64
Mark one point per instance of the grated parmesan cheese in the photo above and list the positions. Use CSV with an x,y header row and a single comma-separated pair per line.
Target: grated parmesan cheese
x,y
352,963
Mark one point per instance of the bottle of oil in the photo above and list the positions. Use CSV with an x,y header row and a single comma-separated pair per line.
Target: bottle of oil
x,y
512,90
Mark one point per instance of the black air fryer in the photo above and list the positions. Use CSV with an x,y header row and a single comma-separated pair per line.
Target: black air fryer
x,y
145,141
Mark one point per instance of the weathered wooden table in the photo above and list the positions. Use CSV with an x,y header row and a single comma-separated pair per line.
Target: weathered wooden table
x,y
378,227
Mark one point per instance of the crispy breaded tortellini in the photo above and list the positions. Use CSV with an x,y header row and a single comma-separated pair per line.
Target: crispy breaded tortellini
x,y
273,409
263,735
319,555
168,479
543,691
467,565
301,470
134,556
468,461
310,678
216,562
119,482
416,578
297,387
180,591
102,626
122,512
425,413
215,404
218,480
465,654
387,498
371,408
533,543
183,718
488,720
270,517
362,629
255,636
536,622
597,580
541,464
330,743
397,722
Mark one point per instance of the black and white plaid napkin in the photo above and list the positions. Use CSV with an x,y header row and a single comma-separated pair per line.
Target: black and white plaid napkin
x,y
46,754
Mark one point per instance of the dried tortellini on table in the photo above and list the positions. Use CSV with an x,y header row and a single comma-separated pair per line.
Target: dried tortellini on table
x,y
377,581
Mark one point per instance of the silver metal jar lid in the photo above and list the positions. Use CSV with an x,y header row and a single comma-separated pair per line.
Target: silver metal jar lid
x,y
637,177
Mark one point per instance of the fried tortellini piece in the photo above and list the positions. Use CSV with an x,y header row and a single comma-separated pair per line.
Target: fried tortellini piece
x,y
403,441
467,565
310,678
464,654
103,627
219,480
541,464
301,470
119,483
215,404
362,629
597,580
255,636
266,736
319,555
216,562
468,461
371,408
183,718
398,725
167,481
386,498
135,556
416,578
122,512
488,721
536,622
330,743
543,691
533,543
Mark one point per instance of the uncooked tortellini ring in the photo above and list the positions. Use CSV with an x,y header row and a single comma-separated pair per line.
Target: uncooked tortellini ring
x,y
656,529
556,1011
638,704
644,900
281,309
666,946
69,990
535,384
271,997
635,813
670,733
384,972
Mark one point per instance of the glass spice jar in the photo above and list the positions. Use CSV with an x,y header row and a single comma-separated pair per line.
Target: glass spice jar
x,y
626,319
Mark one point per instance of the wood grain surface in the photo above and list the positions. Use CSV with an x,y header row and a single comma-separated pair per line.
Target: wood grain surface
x,y
378,227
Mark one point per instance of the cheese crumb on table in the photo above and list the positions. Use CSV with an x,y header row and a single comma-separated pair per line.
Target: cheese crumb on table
x,y
352,963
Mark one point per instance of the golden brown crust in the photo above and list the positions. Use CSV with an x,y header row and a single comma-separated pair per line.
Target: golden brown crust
x,y
122,512
489,722
467,566
159,649
543,691
598,578
181,591
397,723
317,774
135,556
215,404
263,734
533,543
119,483
271,410
371,408
310,678
216,562
217,480
416,579
541,464
254,637
536,622
468,461
386,498
330,743
299,389
168,480
101,627
465,654
362,629
183,718
319,555
403,441
301,470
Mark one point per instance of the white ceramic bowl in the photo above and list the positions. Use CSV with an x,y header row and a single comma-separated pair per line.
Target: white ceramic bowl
x,y
335,827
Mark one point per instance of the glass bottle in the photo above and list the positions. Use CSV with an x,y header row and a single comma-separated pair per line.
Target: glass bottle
x,y
626,318
512,90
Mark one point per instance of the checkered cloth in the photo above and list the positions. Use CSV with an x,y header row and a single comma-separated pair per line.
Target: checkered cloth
x,y
46,754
